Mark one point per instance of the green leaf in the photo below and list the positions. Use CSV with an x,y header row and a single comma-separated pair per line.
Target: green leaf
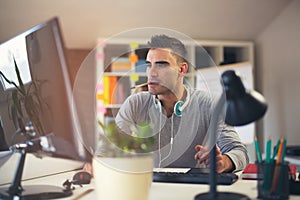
x,y
16,102
21,84
139,142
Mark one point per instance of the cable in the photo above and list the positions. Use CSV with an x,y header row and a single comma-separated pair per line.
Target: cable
x,y
159,134
187,99
171,143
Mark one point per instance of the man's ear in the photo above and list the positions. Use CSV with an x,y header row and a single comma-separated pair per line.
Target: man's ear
x,y
183,68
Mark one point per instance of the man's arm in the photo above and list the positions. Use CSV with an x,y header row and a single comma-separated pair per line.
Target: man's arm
x,y
230,145
231,154
223,162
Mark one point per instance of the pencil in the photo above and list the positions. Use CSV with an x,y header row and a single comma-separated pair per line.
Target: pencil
x,y
268,153
279,154
141,85
283,150
267,170
275,150
258,154
277,166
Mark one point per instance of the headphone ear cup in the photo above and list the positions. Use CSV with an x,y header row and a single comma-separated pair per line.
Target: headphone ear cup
x,y
177,109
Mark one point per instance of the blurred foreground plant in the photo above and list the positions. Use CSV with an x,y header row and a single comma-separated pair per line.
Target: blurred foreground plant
x,y
115,143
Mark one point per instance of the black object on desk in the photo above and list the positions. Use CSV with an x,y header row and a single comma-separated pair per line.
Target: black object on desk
x,y
295,185
293,150
194,176
81,178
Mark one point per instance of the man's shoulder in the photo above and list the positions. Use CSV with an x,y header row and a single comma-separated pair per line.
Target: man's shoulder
x,y
201,94
141,97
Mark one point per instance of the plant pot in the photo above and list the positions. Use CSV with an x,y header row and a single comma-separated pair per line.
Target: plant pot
x,y
125,178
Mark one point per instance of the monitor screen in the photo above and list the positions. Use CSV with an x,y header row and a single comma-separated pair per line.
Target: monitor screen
x,y
36,92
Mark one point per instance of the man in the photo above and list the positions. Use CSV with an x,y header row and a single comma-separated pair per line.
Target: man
x,y
179,115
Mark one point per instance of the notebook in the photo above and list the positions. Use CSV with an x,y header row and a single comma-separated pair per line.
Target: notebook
x,y
250,172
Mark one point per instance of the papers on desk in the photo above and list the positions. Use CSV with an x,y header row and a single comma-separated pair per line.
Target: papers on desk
x,y
180,170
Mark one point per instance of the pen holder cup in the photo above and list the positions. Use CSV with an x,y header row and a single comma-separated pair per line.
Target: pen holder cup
x,y
273,181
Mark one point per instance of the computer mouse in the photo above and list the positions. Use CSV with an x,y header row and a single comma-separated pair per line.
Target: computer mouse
x,y
81,178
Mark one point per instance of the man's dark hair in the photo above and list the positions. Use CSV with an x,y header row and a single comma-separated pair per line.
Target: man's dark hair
x,y
164,41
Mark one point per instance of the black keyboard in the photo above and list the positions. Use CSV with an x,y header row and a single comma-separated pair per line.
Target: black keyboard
x,y
193,176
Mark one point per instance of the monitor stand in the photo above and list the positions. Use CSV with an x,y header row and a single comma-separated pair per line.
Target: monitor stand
x,y
29,192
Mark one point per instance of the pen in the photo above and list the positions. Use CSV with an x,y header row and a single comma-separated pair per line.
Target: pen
x,y
141,85
258,154
84,193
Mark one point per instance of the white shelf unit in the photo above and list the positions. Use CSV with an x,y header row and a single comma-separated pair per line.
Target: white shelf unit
x,y
220,52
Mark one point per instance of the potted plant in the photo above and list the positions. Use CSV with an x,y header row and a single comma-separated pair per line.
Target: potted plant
x,y
123,163
26,102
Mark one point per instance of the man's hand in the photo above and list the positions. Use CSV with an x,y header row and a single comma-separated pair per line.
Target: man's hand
x,y
88,167
223,162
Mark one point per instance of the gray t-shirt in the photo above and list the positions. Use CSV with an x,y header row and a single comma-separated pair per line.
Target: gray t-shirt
x,y
177,136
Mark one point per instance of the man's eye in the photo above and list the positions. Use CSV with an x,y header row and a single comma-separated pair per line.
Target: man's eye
x,y
161,64
148,65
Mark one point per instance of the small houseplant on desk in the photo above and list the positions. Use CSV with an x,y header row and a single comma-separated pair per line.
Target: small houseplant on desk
x,y
26,103
122,163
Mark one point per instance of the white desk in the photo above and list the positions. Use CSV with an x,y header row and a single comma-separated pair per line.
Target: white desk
x,y
158,191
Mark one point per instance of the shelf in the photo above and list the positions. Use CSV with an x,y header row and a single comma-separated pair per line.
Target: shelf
x,y
220,52
113,105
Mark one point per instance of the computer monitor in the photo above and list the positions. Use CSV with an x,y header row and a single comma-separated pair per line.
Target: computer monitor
x,y
44,98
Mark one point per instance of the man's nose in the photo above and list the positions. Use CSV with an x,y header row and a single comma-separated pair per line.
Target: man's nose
x,y
152,72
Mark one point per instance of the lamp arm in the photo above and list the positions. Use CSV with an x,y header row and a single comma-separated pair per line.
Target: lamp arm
x,y
212,154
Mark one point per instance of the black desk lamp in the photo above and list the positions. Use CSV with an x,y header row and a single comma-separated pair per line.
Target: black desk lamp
x,y
242,107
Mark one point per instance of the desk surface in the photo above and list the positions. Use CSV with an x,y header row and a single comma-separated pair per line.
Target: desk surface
x,y
158,191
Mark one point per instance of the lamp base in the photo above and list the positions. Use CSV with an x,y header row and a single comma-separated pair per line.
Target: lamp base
x,y
222,196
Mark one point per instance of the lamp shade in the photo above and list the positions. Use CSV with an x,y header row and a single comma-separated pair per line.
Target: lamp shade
x,y
242,106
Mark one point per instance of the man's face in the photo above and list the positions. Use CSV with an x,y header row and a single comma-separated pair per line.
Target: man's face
x,y
163,71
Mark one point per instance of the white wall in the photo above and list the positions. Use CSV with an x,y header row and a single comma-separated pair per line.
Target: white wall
x,y
278,74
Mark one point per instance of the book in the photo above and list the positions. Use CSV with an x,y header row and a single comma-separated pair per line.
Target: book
x,y
109,95
106,94
112,89
251,172
121,65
